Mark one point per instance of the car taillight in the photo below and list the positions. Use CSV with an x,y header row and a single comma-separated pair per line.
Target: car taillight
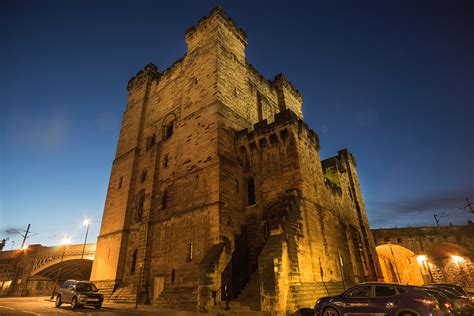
x,y
448,306
425,301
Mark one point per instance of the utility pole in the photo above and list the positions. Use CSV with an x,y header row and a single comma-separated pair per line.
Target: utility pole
x,y
17,262
25,236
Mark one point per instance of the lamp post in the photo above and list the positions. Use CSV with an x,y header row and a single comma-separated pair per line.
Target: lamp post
x,y
66,241
86,223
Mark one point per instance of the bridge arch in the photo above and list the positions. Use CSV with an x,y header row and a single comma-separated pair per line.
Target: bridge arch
x,y
400,265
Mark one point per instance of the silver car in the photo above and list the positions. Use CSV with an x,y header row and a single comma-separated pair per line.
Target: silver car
x,y
79,293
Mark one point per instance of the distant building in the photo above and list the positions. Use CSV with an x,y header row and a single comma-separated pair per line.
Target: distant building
x,y
217,183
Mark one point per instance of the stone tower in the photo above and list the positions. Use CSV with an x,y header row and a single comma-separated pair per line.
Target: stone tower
x,y
217,182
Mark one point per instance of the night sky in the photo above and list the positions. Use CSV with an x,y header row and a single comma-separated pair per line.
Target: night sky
x,y
392,81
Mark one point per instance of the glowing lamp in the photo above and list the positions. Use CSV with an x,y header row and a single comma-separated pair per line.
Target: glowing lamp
x,y
457,259
66,241
86,222
421,258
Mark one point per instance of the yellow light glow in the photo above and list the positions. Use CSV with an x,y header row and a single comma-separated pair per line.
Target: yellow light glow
x,y
66,241
421,258
457,259
86,222
25,247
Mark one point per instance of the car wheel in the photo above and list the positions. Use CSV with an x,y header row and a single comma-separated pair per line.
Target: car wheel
x,y
98,306
58,301
330,312
407,313
74,303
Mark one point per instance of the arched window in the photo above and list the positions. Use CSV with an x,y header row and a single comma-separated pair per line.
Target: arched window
x,y
251,191
168,126
169,130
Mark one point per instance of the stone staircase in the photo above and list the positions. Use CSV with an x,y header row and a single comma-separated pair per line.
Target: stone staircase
x,y
127,295
184,298
250,294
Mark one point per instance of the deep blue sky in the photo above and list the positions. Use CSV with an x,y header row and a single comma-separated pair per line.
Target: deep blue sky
x,y
393,81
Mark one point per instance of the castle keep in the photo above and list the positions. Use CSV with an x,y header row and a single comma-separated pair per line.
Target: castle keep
x,y
217,182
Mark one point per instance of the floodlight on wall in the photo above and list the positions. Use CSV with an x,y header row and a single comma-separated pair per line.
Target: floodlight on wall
x,y
421,258
457,259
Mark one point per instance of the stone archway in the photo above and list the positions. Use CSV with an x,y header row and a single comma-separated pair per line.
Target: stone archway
x,y
401,265
451,263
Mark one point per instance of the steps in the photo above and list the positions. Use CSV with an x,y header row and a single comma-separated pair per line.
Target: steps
x,y
126,295
178,298
250,294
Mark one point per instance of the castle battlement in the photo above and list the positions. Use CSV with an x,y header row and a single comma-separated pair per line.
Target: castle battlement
x,y
219,12
278,128
150,71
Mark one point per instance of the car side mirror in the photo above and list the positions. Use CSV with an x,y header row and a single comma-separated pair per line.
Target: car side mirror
x,y
96,290
347,295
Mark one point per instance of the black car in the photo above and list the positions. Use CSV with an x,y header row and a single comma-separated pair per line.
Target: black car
x,y
386,299
79,293
462,304
445,303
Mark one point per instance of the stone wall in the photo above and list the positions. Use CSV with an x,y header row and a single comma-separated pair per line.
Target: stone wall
x,y
441,254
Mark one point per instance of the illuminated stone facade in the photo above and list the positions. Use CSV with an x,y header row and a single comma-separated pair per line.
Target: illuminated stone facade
x,y
217,181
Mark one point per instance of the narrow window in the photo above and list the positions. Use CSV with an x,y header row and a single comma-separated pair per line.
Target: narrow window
x,y
259,107
251,191
143,176
164,199
173,275
190,251
120,182
134,261
165,161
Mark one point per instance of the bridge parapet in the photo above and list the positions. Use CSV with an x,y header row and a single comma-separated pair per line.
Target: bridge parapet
x,y
49,256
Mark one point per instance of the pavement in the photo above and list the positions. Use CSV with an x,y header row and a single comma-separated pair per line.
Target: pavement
x,y
45,306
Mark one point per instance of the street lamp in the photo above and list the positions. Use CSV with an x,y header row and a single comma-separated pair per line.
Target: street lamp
x,y
86,223
66,241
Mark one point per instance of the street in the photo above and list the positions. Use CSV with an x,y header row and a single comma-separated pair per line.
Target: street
x,y
43,306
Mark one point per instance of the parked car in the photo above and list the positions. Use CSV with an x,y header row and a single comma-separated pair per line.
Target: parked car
x,y
462,305
79,293
446,304
457,288
379,298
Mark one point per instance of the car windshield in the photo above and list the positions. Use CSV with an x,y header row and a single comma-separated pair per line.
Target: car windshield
x,y
86,287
